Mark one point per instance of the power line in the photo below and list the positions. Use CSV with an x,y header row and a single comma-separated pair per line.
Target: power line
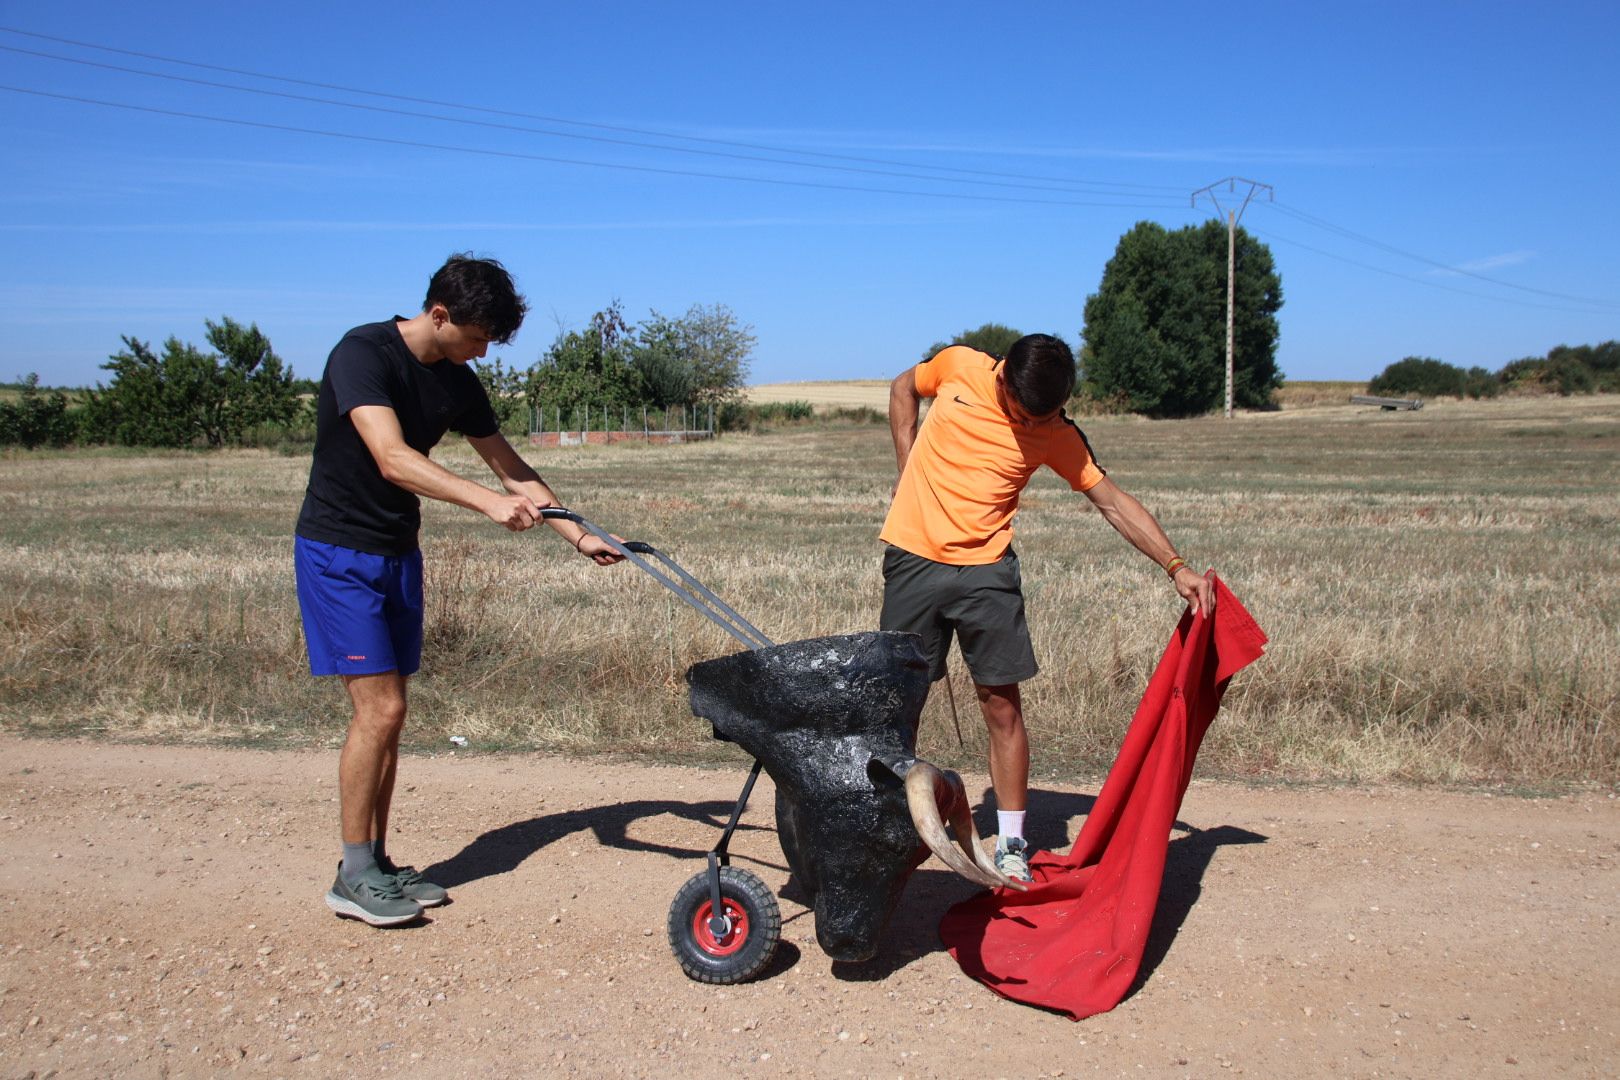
x,y
964,175
282,94
1418,280
521,156
1321,223
1126,187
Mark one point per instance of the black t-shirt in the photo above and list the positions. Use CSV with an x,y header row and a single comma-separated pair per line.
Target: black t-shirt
x,y
348,503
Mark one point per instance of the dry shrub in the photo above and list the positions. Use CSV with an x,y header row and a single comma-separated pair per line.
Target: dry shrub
x,y
1305,395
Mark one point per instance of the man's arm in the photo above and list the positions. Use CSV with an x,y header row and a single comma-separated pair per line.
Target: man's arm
x,y
519,478
379,429
904,405
1133,521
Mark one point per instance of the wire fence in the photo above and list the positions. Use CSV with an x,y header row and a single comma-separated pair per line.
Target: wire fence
x,y
555,425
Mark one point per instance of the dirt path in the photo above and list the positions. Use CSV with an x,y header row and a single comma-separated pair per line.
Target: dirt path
x,y
160,914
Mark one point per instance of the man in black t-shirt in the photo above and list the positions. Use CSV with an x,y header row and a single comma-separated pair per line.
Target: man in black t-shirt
x,y
390,392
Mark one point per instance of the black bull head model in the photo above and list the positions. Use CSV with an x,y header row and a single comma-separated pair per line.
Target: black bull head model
x,y
834,720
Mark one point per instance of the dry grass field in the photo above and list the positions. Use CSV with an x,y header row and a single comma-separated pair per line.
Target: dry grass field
x,y
1308,395
832,394
1434,585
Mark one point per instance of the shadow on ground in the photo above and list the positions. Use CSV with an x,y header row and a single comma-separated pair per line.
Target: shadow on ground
x,y
913,930
1184,867
502,850
1047,821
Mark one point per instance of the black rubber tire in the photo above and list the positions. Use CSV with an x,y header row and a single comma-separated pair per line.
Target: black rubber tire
x,y
738,956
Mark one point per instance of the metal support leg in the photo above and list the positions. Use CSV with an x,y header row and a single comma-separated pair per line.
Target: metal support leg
x,y
719,924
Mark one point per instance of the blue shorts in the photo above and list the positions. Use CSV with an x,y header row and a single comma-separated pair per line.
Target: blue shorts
x,y
362,613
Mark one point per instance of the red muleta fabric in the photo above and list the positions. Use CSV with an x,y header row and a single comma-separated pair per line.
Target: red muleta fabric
x,y
1073,943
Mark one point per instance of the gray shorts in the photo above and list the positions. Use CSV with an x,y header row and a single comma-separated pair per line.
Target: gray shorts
x,y
983,606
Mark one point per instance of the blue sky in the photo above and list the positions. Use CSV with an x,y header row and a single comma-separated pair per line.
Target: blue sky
x,y
854,180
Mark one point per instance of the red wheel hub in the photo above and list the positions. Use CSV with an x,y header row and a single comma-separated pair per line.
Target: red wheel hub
x,y
725,944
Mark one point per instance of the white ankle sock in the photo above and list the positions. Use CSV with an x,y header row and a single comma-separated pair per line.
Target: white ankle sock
x,y
1010,823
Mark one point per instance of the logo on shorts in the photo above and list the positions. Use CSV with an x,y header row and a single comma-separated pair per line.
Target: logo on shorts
x,y
351,657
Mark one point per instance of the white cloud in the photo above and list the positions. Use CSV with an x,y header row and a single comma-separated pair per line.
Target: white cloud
x,y
1489,262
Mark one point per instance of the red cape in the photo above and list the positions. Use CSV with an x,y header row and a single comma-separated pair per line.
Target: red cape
x,y
1073,943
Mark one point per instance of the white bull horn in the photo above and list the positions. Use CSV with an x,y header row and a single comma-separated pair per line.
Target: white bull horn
x,y
933,795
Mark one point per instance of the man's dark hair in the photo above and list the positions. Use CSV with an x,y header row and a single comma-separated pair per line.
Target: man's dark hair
x,y
478,292
1040,373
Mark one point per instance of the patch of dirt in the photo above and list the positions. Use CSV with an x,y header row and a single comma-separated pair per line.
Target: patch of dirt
x,y
161,914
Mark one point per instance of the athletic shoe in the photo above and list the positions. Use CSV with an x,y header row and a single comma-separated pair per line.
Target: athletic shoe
x,y
1012,858
374,899
413,885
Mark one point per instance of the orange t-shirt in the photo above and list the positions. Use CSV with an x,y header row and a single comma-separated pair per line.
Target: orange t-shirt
x,y
960,488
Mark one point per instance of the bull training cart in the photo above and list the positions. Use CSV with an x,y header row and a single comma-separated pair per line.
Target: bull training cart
x,y
724,923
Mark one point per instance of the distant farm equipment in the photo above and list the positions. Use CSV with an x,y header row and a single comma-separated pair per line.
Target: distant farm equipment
x,y
1388,404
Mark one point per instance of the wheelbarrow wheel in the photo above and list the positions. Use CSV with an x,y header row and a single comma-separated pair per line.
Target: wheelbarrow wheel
x,y
738,946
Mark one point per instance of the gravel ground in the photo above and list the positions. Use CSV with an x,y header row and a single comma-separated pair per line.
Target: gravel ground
x,y
161,915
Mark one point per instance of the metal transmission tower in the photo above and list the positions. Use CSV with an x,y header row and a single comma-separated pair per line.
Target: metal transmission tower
x,y
1232,217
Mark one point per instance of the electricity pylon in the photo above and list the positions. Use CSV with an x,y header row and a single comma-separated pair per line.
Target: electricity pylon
x,y
1232,217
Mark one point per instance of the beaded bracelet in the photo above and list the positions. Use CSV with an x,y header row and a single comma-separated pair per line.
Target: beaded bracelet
x,y
1174,565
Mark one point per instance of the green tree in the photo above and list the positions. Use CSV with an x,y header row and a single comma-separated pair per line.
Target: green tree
x,y
719,348
992,338
1566,369
1140,364
1482,383
701,357
507,398
1155,333
258,386
36,419
1567,372
1605,361
1585,368
171,399
184,396
665,374
1420,376
586,368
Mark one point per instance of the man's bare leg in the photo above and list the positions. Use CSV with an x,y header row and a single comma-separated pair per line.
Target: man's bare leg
x,y
365,787
370,755
385,791
1009,774
1009,744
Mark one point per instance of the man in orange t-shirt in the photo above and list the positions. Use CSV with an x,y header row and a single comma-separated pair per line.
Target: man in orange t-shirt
x,y
950,569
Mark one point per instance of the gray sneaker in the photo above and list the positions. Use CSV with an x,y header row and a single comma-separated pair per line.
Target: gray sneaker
x,y
413,885
1012,858
374,899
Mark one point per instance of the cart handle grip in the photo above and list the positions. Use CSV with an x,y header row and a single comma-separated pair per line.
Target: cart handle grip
x,y
562,514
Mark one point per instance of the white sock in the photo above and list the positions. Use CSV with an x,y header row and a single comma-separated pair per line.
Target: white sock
x,y
1010,823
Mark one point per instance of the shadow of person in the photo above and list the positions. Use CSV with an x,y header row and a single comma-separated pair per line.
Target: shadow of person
x,y
1046,822
502,850
1185,862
